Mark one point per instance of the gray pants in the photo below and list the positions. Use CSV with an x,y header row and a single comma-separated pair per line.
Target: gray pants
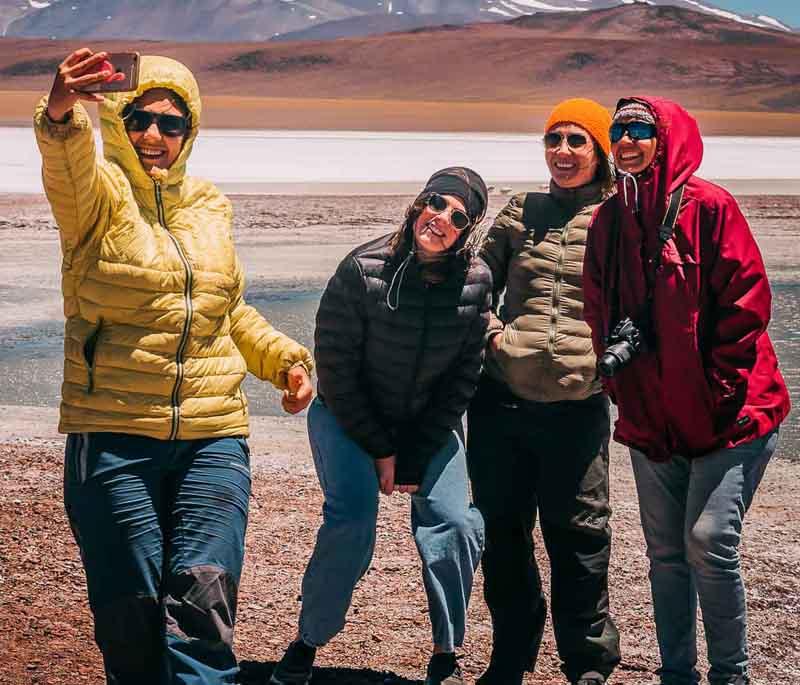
x,y
447,528
692,515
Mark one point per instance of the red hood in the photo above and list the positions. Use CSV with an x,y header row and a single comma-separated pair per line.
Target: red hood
x,y
678,156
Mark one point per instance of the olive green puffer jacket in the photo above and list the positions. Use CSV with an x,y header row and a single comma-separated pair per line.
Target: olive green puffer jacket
x,y
158,336
545,352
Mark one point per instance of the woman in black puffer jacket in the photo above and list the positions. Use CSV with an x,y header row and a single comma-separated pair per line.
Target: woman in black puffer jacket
x,y
399,338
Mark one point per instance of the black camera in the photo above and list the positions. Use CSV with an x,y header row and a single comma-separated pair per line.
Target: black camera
x,y
622,345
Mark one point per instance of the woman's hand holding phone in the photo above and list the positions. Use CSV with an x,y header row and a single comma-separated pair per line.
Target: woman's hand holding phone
x,y
80,69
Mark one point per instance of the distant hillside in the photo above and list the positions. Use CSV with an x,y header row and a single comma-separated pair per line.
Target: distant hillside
x,y
708,62
259,20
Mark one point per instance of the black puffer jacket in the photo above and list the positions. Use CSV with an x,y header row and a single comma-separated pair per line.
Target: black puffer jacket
x,y
399,381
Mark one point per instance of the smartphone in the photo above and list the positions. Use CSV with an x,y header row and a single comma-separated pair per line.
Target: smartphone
x,y
125,76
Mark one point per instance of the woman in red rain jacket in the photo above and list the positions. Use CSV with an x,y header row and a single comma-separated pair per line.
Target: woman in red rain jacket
x,y
700,399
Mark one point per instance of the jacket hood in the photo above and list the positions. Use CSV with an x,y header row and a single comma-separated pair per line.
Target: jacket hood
x,y
154,72
679,153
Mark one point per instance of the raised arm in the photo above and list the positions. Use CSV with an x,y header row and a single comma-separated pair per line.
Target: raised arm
x,y
82,191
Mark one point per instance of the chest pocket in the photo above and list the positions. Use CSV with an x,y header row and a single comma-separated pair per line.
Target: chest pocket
x,y
678,289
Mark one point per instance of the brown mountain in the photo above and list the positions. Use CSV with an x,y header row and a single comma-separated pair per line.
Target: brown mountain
x,y
707,63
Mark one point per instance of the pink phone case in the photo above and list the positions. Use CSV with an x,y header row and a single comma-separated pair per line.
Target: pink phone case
x,y
126,63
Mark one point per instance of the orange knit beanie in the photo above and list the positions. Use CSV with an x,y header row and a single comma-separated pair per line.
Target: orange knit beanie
x,y
587,114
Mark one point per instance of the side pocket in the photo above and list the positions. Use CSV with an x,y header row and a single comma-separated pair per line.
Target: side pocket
x,y
89,350
76,459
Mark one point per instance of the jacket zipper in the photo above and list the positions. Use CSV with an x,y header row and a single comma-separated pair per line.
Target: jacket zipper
x,y
420,351
554,305
187,297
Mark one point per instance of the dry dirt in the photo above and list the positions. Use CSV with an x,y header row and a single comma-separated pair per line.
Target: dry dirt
x,y
46,627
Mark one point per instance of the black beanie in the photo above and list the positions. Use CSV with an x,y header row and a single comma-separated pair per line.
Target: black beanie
x,y
463,183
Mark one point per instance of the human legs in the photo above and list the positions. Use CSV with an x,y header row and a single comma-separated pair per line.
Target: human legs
x,y
449,534
209,496
721,488
503,476
346,540
663,489
113,494
574,511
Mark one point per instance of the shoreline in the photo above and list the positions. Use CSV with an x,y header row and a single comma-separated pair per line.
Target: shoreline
x,y
737,187
384,115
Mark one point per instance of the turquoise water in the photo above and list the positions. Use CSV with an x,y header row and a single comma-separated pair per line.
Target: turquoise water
x,y
30,358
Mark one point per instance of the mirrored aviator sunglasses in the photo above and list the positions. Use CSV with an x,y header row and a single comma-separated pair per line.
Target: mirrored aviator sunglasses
x,y
574,140
171,125
636,130
439,204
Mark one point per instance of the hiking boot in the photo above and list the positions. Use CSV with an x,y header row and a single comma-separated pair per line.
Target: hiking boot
x,y
296,665
443,669
495,675
592,678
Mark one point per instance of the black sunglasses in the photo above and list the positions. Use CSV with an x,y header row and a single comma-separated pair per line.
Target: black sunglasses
x,y
574,140
439,204
169,124
636,130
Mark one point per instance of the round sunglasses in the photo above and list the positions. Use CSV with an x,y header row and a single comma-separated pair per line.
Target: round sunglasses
x,y
439,204
171,125
636,130
574,140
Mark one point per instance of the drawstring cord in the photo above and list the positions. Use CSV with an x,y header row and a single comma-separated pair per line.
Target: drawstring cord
x,y
401,272
625,177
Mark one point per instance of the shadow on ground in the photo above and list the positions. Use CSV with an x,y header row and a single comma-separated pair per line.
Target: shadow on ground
x,y
258,673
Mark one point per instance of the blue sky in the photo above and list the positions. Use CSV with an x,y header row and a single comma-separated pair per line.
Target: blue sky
x,y
788,11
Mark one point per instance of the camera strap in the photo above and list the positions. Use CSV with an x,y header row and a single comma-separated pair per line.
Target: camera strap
x,y
665,232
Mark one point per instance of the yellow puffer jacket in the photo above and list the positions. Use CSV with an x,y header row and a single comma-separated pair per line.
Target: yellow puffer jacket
x,y
158,337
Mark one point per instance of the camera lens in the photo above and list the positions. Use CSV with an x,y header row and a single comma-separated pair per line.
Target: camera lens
x,y
615,357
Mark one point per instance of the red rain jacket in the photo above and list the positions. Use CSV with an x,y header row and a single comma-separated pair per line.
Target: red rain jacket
x,y
711,380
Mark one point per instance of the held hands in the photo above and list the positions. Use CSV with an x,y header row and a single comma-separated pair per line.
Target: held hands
x,y
76,72
495,341
385,468
299,390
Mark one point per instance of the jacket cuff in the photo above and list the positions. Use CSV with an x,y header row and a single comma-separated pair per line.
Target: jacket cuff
x,y
301,357
495,327
78,121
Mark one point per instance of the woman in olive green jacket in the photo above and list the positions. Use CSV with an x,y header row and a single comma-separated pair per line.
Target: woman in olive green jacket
x,y
539,423
158,339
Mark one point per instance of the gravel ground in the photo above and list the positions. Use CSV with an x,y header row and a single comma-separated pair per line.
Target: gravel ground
x,y
294,241
46,627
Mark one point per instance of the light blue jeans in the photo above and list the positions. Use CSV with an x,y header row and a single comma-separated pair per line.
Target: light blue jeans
x,y
692,513
447,529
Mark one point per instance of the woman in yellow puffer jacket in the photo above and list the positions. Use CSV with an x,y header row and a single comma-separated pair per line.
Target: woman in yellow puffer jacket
x,y
158,339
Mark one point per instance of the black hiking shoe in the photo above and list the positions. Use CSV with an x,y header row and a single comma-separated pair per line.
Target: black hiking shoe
x,y
443,669
296,665
496,675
